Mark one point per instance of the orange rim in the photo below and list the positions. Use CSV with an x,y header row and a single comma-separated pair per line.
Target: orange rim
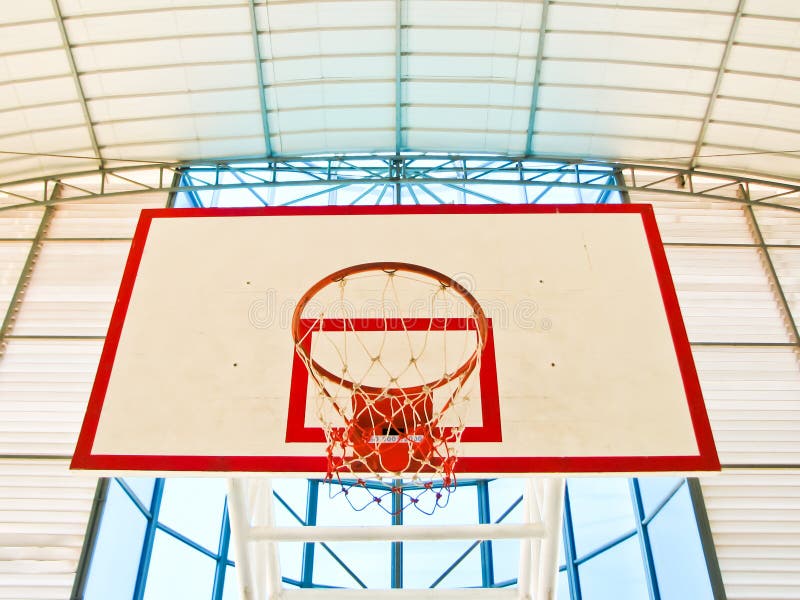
x,y
389,267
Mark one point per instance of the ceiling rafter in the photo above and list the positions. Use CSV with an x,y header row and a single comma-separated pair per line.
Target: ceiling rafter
x,y
723,63
398,85
77,80
537,75
262,92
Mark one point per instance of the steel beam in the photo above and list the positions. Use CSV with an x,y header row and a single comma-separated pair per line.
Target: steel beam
x,y
25,275
77,81
398,83
262,93
723,63
537,75
392,533
775,281
457,172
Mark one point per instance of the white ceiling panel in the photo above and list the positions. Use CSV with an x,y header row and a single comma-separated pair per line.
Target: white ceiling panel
x,y
622,101
638,21
572,44
157,23
604,124
14,167
751,136
746,160
163,51
65,141
463,93
174,104
480,13
33,92
88,7
772,61
28,11
350,141
33,64
481,66
336,67
761,87
642,76
779,32
318,95
28,37
504,42
757,113
185,127
626,147
316,15
38,118
774,8
234,146
181,78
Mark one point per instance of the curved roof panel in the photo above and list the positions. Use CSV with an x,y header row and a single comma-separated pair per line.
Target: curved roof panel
x,y
85,83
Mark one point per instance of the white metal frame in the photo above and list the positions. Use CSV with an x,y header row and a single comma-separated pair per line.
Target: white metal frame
x,y
253,531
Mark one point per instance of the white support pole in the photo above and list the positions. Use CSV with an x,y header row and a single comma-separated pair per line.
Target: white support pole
x,y
237,512
397,534
529,548
552,513
272,562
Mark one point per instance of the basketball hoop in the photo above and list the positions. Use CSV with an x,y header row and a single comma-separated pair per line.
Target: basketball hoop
x,y
395,350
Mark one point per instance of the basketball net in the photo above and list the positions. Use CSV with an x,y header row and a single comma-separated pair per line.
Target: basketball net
x,y
394,351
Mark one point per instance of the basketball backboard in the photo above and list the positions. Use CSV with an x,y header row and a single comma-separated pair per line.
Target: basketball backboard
x,y
586,367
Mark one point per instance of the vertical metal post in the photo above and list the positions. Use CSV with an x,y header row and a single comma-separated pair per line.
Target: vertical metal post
x,y
552,513
529,549
90,539
312,503
619,180
397,547
240,525
485,516
570,551
265,515
149,539
706,539
644,540
222,555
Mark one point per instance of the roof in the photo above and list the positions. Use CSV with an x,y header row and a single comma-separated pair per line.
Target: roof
x,y
691,83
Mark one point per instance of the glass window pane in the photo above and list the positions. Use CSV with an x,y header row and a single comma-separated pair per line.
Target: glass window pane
x,y
655,489
425,562
193,507
115,561
370,561
142,487
601,511
503,493
461,509
616,573
563,586
293,492
230,591
505,554
178,571
290,555
677,553
442,555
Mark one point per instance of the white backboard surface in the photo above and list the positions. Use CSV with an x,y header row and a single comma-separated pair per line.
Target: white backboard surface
x,y
589,368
